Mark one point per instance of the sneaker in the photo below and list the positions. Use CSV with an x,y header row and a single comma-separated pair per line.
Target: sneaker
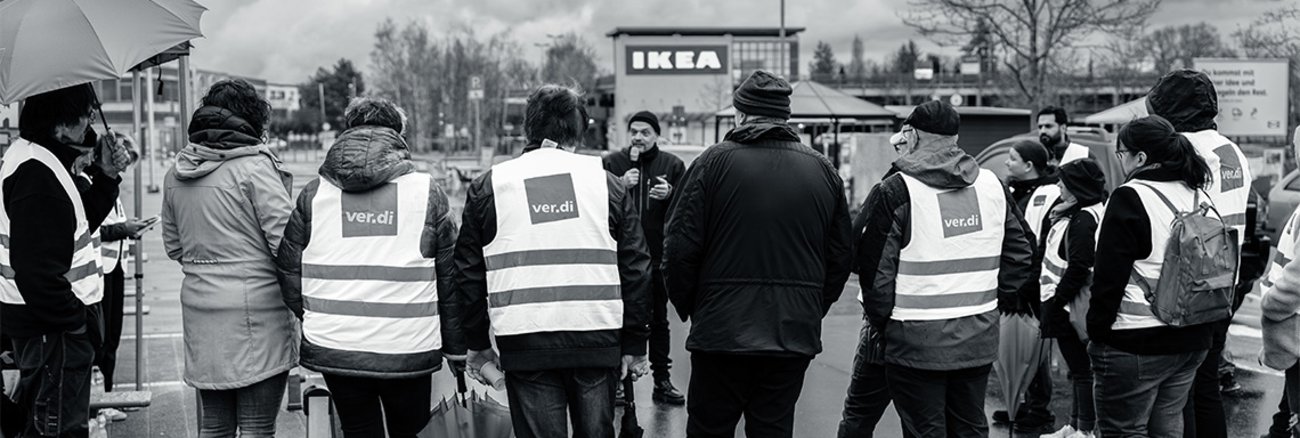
x,y
113,415
1065,432
1083,434
667,394
1001,417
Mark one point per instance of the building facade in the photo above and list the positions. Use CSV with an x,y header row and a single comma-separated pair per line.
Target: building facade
x,y
686,74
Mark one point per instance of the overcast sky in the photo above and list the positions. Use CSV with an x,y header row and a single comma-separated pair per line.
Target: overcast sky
x,y
286,40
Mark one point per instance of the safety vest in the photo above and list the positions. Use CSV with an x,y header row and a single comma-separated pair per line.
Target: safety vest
x,y
1073,152
84,274
1135,310
1230,192
366,286
1040,205
112,251
1286,252
553,265
1053,264
949,268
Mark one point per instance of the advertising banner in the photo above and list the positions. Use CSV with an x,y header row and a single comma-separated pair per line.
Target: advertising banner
x,y
1252,95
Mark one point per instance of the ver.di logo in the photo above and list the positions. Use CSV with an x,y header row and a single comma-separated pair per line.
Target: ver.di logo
x,y
370,214
1230,172
551,198
960,212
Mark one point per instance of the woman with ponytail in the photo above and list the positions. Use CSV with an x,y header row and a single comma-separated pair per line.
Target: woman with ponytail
x,y
1143,367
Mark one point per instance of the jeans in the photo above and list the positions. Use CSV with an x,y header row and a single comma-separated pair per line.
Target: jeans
x,y
539,401
1141,395
660,339
1203,417
868,394
724,387
251,410
54,387
1083,412
939,404
365,405
114,301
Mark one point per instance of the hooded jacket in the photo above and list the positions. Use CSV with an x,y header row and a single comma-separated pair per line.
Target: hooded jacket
x,y
933,345
362,159
225,204
652,163
758,245
553,350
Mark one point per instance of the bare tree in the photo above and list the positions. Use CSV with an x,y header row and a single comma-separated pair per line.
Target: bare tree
x,y
857,66
1276,34
1176,46
716,94
1029,32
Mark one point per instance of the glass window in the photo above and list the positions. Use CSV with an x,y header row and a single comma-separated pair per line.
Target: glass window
x,y
1294,185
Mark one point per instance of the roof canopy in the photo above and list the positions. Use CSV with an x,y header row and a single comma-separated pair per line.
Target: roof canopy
x,y
811,100
1121,114
906,110
704,31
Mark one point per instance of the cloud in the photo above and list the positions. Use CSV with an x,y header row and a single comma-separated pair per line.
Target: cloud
x,y
287,40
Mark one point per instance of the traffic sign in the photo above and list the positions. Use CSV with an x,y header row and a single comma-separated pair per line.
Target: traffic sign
x,y
475,83
476,94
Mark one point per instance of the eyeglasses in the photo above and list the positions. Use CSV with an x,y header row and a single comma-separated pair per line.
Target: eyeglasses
x,y
1119,153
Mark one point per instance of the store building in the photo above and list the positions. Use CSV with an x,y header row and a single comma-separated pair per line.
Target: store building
x,y
687,74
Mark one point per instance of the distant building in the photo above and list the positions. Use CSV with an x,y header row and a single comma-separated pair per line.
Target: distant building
x,y
285,100
115,94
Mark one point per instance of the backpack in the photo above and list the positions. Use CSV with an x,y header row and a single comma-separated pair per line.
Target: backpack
x,y
1199,274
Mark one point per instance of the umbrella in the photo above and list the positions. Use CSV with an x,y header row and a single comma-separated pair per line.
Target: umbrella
x,y
468,415
1019,351
629,428
51,44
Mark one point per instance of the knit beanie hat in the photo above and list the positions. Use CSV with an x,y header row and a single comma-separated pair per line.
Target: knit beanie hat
x,y
763,95
935,117
1031,151
647,117
1085,180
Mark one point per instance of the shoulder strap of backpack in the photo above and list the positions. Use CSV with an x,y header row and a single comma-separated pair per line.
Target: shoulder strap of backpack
x,y
1162,197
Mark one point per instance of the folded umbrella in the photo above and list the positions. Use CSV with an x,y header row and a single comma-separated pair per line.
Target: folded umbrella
x,y
1020,348
468,415
630,427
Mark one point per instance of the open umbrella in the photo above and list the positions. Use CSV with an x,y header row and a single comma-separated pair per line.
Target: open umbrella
x,y
51,44
468,415
1019,351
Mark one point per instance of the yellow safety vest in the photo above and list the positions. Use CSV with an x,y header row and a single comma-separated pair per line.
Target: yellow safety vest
x,y
1135,309
1073,152
949,268
1230,191
553,265
112,251
1286,252
85,274
1053,264
366,286
1040,205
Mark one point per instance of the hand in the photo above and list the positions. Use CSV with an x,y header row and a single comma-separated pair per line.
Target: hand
x,y
116,153
637,365
475,360
456,362
632,178
662,190
134,227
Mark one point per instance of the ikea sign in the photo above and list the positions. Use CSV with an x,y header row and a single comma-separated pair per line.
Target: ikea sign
x,y
676,60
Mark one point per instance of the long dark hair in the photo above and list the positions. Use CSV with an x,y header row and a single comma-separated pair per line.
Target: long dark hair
x,y
1167,149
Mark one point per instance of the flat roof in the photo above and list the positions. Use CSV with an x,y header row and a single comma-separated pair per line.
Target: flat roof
x,y
703,31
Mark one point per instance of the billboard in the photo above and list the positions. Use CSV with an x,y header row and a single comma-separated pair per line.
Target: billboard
x,y
677,60
1252,95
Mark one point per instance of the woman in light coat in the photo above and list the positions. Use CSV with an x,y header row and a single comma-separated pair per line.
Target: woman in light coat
x,y
225,206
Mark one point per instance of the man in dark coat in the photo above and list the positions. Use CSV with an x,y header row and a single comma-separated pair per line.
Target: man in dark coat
x,y
650,175
758,247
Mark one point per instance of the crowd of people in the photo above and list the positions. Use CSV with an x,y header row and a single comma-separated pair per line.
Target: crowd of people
x,y
560,268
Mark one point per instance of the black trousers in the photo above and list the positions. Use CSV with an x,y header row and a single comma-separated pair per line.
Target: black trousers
x,y
940,404
660,339
54,387
764,389
1203,417
1281,427
114,300
366,405
868,396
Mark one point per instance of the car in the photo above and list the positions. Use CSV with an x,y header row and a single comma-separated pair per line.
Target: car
x,y
994,157
1282,200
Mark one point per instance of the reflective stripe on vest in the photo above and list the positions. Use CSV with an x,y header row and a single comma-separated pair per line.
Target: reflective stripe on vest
x,y
366,286
1053,264
1073,152
1135,310
112,251
1230,192
1040,205
84,273
949,268
1286,252
553,265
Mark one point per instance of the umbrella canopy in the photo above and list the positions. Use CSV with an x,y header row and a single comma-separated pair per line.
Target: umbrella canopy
x,y
469,415
1119,115
811,100
1019,351
51,44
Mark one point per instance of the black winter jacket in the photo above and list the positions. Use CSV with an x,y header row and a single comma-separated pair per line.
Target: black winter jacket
x,y
554,350
1125,238
652,163
362,159
759,244
934,345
